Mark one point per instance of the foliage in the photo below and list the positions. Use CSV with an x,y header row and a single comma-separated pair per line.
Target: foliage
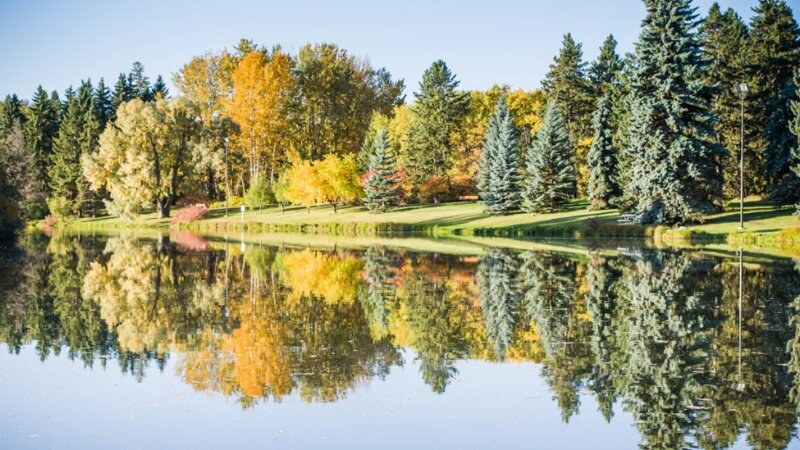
x,y
499,178
550,167
439,111
603,168
259,194
144,158
190,213
381,179
333,180
676,170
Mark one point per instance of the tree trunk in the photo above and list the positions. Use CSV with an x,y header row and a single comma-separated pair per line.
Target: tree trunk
x,y
334,207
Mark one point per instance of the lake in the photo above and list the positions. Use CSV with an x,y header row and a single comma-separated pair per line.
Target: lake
x,y
176,340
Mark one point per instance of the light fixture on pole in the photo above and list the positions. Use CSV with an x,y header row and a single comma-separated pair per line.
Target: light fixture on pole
x,y
741,88
227,185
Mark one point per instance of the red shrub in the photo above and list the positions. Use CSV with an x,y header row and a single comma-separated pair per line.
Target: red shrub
x,y
190,213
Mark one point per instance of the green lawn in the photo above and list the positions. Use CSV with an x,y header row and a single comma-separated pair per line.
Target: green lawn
x,y
461,218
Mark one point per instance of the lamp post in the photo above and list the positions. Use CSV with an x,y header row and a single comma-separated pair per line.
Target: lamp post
x,y
227,185
741,88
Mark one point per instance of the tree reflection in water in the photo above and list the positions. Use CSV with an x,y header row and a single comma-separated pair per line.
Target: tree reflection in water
x,y
657,333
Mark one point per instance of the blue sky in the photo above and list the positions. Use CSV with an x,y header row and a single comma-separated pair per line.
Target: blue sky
x,y
58,43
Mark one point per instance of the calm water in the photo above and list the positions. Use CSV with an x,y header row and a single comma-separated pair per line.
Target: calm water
x,y
183,342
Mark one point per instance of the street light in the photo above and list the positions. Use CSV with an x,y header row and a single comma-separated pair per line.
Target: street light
x,y
741,88
227,185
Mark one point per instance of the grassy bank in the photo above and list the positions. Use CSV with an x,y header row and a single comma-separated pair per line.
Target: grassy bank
x,y
764,225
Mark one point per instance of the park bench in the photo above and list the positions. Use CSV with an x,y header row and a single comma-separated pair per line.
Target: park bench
x,y
628,218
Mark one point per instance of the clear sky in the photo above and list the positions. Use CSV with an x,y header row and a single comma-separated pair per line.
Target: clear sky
x,y
58,43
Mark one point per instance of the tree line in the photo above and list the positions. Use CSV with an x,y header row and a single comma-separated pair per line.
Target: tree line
x,y
654,132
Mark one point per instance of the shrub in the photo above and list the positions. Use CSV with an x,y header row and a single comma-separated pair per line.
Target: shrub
x,y
259,194
60,207
190,213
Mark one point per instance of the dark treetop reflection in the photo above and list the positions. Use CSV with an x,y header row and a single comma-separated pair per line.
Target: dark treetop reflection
x,y
659,333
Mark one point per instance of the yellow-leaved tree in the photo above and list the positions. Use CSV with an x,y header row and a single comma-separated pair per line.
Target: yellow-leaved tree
x,y
334,180
260,103
144,159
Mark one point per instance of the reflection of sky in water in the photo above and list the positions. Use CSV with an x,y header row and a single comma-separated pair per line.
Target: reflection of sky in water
x,y
58,404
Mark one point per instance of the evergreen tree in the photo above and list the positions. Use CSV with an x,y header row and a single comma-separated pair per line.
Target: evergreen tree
x,y
160,88
77,135
725,41
602,160
103,104
675,174
550,181
794,128
604,72
12,110
439,111
774,53
138,83
566,85
122,93
380,184
779,157
499,177
498,285
40,132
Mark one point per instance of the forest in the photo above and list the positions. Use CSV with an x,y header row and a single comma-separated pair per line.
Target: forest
x,y
656,132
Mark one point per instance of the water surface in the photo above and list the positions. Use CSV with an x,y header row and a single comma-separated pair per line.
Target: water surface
x,y
183,341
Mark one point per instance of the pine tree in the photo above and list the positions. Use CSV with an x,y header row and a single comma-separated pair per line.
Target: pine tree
x,y
160,88
380,184
675,174
103,104
77,135
138,83
774,53
122,93
604,72
779,157
794,128
380,290
725,41
602,161
12,110
499,177
439,111
566,85
550,181
40,132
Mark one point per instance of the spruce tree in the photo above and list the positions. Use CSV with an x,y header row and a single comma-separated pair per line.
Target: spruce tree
x,y
121,94
784,185
439,111
103,104
604,71
567,86
550,167
501,168
725,42
675,173
602,161
12,110
139,83
380,185
159,88
40,132
77,135
774,53
794,128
